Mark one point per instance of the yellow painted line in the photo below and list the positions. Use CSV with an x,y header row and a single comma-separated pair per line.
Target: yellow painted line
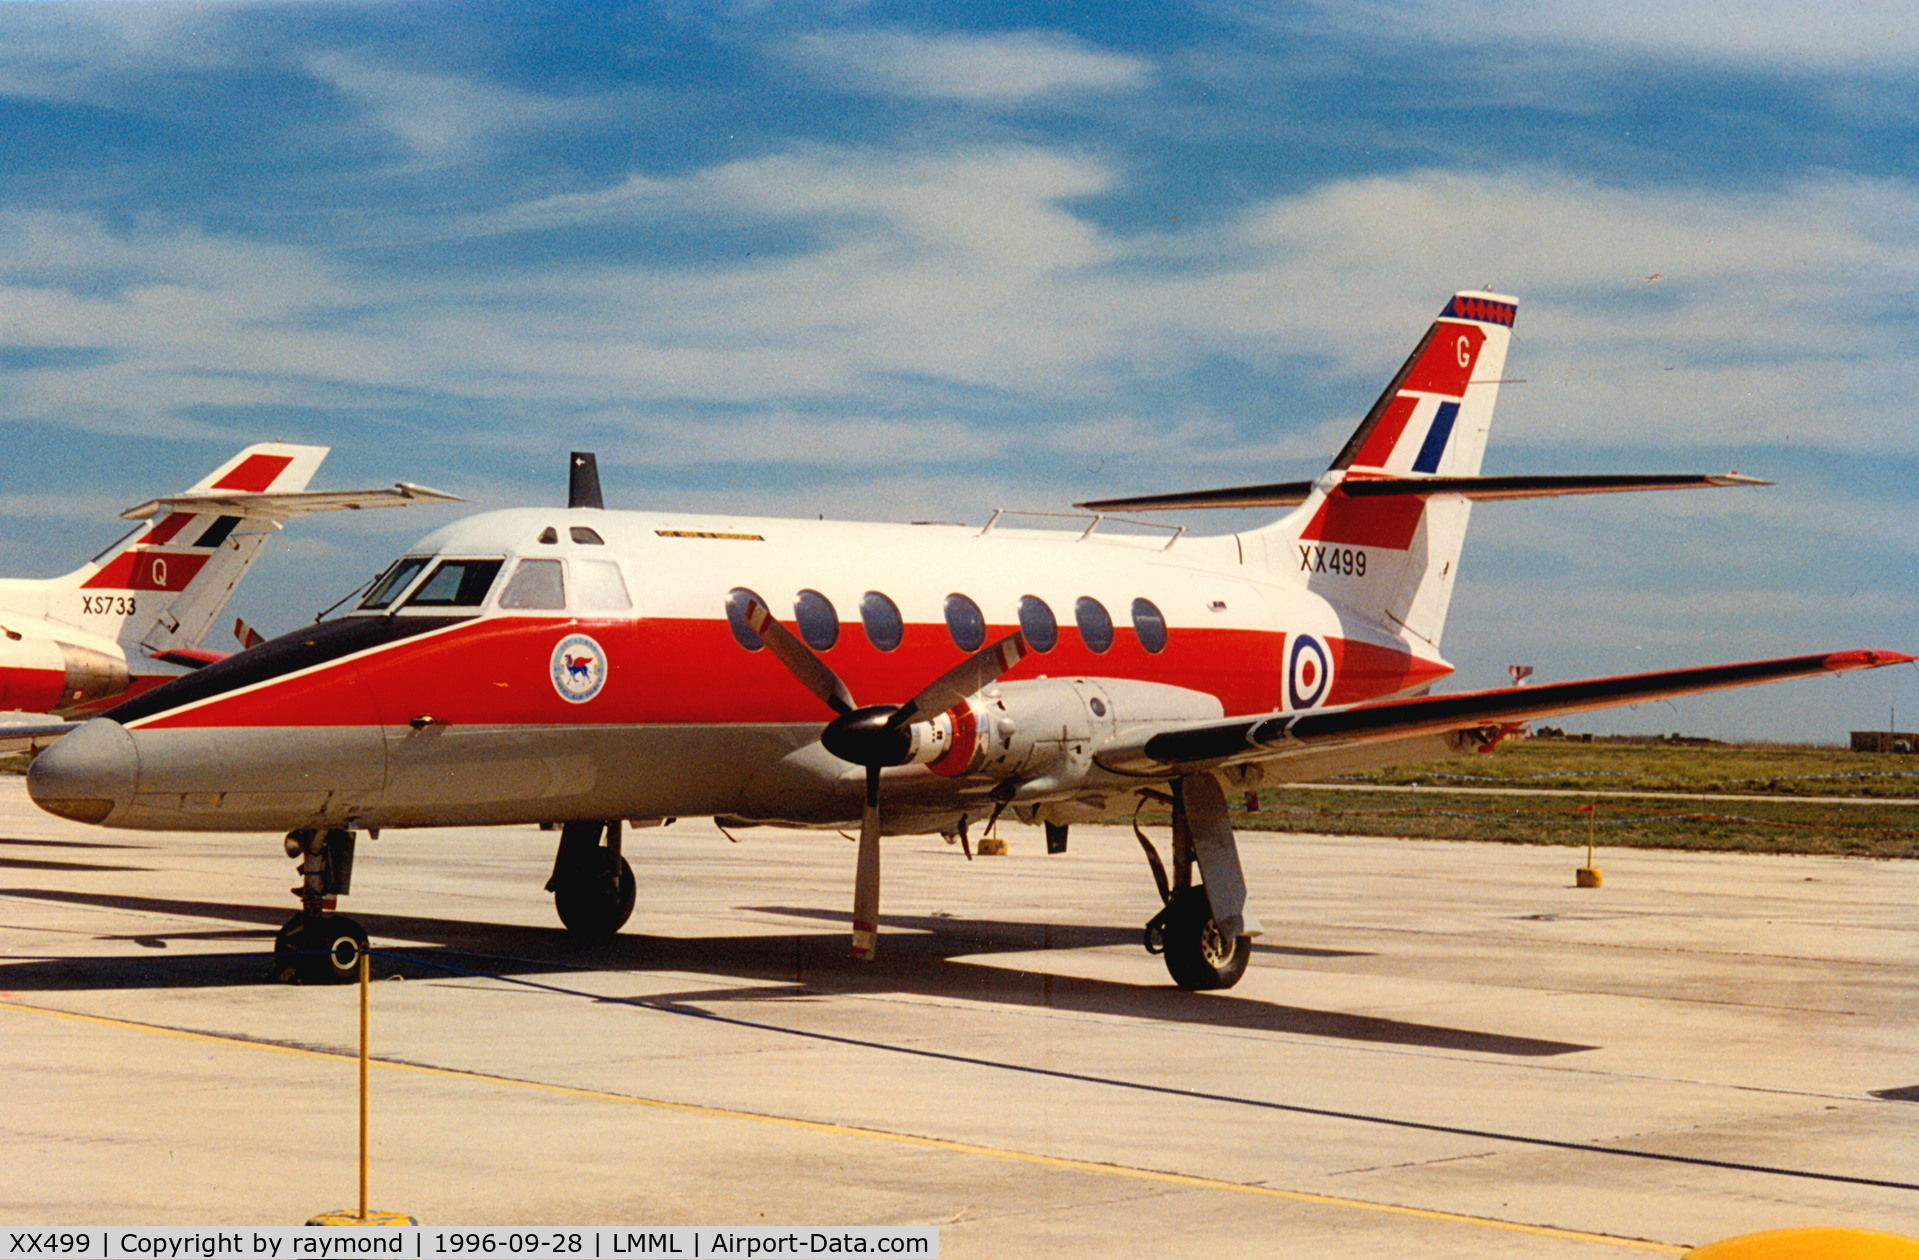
x,y
881,1135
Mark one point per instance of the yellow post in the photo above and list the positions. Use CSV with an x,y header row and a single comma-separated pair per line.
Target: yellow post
x,y
364,1216
366,978
1588,876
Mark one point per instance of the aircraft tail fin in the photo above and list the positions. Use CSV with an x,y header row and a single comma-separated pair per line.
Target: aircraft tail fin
x,y
1393,558
161,588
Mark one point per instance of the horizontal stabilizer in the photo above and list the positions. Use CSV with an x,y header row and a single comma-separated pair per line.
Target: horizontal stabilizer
x,y
284,506
1274,736
1290,493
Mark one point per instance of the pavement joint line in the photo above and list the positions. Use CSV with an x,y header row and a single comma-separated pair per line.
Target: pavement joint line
x,y
948,1145
1608,793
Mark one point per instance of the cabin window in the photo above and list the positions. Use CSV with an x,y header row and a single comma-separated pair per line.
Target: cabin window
x,y
549,535
598,587
535,584
965,623
881,616
457,584
1095,623
736,602
585,534
1150,625
819,621
393,581
1036,622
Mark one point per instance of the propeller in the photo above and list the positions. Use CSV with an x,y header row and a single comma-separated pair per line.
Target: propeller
x,y
876,736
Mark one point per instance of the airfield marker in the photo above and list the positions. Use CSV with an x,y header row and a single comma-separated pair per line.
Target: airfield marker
x,y
1588,876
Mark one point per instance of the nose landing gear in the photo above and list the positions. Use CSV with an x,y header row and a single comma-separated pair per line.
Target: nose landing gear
x,y
317,946
592,886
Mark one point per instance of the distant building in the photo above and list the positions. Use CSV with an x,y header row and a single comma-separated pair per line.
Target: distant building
x,y
1885,741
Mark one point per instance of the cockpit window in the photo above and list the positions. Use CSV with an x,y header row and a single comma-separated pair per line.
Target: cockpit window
x,y
457,584
535,584
598,587
393,581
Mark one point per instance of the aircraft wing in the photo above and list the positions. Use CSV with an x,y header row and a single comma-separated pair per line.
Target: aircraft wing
x,y
1275,736
31,735
284,505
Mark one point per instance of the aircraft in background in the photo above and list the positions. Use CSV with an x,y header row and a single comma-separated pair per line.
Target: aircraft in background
x,y
138,614
587,667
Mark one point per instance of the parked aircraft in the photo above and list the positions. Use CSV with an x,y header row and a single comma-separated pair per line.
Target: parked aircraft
x,y
139,613
586,666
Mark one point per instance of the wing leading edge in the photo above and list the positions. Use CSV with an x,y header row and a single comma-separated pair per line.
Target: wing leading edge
x,y
1274,736
1542,486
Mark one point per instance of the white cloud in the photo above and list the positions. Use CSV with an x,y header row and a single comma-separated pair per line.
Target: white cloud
x,y
1777,34
1005,68
437,116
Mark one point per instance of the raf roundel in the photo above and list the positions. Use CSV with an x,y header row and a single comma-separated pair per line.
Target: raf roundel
x,y
579,668
1308,673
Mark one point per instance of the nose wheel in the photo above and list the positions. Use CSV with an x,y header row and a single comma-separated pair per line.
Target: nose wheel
x,y
322,949
593,887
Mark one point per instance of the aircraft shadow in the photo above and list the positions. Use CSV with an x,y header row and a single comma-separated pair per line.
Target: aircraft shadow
x,y
919,955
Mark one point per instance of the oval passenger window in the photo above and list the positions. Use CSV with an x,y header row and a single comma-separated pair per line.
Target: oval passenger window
x,y
819,622
884,629
1037,624
1095,623
965,623
1150,625
736,601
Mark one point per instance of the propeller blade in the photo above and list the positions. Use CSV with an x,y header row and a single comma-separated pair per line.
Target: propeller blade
x,y
799,660
961,681
866,877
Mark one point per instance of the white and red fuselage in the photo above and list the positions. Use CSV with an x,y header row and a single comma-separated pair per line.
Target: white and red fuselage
x,y
419,713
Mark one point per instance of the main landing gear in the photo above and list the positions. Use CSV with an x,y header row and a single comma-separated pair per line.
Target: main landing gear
x,y
317,946
1204,931
592,886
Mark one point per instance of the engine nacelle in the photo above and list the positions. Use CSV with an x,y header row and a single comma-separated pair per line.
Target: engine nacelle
x,y
1045,732
41,675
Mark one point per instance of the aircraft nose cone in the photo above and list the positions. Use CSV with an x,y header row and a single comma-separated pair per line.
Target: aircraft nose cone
x,y
87,774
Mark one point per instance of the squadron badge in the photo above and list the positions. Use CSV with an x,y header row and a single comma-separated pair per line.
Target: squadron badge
x,y
579,668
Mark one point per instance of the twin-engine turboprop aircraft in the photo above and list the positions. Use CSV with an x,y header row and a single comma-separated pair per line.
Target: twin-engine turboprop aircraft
x,y
585,666
139,613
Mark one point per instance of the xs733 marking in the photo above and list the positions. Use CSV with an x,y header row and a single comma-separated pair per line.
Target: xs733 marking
x,y
1314,558
107,605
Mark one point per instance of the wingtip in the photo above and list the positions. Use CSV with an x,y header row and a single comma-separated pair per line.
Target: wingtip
x,y
1867,658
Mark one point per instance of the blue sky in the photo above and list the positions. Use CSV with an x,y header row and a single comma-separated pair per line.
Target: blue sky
x,y
896,261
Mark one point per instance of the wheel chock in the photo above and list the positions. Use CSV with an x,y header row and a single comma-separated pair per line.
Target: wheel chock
x,y
1587,877
990,846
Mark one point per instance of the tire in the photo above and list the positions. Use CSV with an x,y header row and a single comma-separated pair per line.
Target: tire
x,y
1196,956
596,898
319,951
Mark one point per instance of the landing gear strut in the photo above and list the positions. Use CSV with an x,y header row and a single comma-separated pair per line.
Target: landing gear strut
x,y
592,886
1204,930
316,946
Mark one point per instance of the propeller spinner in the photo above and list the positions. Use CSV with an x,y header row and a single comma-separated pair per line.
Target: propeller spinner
x,y
877,736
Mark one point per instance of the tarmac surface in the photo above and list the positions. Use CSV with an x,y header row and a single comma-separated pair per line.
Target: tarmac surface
x,y
1441,1049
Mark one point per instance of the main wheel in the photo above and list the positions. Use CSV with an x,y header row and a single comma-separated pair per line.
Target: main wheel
x,y
1197,955
596,897
324,950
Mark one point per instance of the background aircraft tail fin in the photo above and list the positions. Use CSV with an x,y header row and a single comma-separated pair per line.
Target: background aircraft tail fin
x,y
161,587
1393,558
